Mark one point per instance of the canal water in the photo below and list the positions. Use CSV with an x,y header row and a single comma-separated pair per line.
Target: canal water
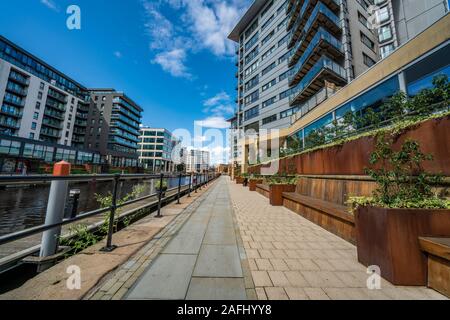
x,y
25,207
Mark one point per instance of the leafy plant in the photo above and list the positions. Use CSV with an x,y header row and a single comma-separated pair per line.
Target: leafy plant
x,y
276,179
158,184
401,179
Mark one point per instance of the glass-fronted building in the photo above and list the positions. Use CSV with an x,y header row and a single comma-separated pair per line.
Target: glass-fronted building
x,y
156,147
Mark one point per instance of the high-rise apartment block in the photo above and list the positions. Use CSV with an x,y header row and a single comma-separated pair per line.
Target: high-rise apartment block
x,y
46,116
292,55
195,160
155,149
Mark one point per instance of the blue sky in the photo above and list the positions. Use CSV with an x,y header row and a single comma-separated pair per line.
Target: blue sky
x,y
170,56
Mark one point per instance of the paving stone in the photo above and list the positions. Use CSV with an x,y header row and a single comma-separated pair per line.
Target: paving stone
x,y
296,293
278,279
263,264
218,261
261,279
225,236
216,289
276,293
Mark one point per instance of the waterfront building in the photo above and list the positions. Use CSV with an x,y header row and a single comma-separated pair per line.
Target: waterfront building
x,y
293,55
195,160
46,116
155,150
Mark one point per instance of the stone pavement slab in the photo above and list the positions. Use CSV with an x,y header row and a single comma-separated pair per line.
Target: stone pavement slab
x,y
216,289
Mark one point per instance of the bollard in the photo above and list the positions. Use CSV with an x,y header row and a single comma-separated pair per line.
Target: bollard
x,y
112,214
55,213
190,185
179,189
160,195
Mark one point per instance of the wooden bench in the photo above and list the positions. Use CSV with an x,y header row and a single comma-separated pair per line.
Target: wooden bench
x,y
438,250
322,200
263,190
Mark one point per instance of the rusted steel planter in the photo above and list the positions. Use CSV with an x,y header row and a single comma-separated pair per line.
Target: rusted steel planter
x,y
239,180
389,238
276,193
253,182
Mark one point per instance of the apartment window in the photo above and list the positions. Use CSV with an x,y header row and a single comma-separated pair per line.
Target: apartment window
x,y
251,69
369,43
384,33
36,115
284,75
40,95
266,9
269,102
383,15
251,113
283,41
250,43
252,54
285,94
73,100
93,121
363,20
270,119
265,24
67,134
267,38
282,24
284,57
31,136
68,125
38,105
42,86
268,69
269,85
251,29
267,53
254,96
289,112
71,108
282,7
252,83
70,117
33,125
96,98
368,61
386,50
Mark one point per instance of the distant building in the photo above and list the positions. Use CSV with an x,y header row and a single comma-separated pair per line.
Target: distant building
x,y
195,160
155,149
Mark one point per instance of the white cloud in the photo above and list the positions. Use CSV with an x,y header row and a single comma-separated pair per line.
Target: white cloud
x,y
173,62
219,105
50,4
213,122
198,25
218,98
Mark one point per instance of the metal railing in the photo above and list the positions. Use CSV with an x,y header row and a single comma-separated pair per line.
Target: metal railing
x,y
196,181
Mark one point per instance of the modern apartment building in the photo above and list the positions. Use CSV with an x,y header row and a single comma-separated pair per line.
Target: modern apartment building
x,y
46,116
195,160
292,55
155,149
113,123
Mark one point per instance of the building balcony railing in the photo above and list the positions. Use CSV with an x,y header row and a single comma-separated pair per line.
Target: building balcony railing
x,y
11,111
55,105
53,114
322,42
9,123
324,69
321,15
57,96
128,106
77,130
19,91
78,139
50,133
126,113
52,123
131,123
19,78
292,11
16,102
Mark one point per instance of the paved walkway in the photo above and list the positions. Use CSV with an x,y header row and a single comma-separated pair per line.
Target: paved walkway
x,y
202,261
292,258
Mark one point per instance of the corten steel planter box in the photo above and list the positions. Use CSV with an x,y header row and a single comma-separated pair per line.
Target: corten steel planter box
x,y
239,180
389,238
253,182
276,193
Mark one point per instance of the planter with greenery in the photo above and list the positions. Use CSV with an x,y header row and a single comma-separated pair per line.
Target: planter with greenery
x,y
253,182
274,186
403,208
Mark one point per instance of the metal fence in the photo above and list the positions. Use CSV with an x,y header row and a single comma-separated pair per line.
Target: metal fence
x,y
196,181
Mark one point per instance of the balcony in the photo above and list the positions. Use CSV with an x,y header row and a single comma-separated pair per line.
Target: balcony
x,y
81,123
292,11
16,102
56,105
14,76
128,106
52,123
50,133
53,114
16,90
58,96
78,139
125,127
127,113
325,69
310,21
7,122
12,112
323,42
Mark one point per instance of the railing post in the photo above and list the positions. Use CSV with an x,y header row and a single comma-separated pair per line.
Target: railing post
x,y
55,213
112,215
190,185
161,179
179,189
196,182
